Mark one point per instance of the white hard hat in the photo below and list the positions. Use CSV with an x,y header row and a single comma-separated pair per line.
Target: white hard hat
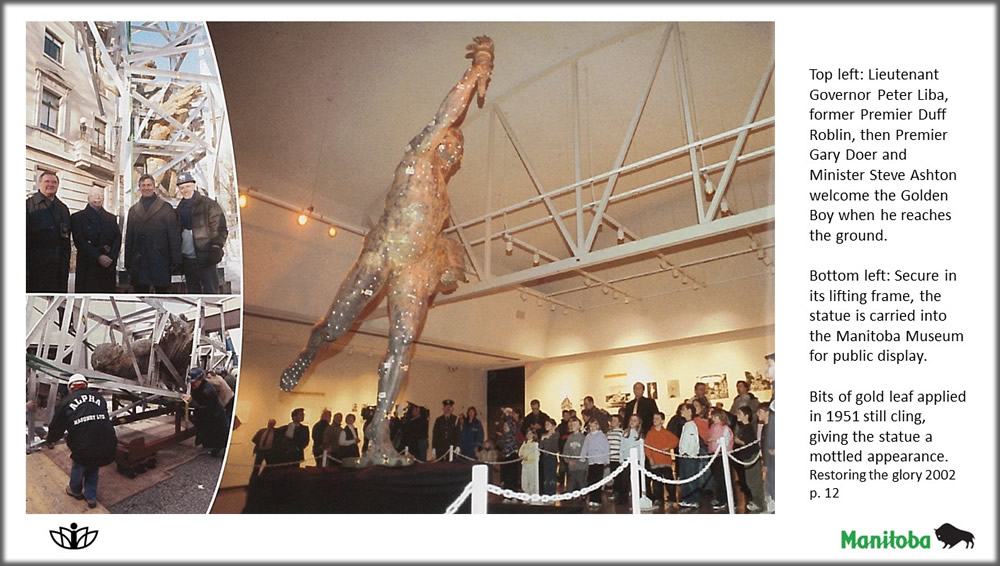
x,y
78,378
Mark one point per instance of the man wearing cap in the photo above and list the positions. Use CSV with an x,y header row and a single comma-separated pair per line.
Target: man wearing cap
x,y
209,416
446,431
83,416
48,228
203,233
152,240
98,240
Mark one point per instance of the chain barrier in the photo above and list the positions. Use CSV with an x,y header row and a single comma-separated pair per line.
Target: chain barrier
x,y
708,466
461,499
703,457
536,498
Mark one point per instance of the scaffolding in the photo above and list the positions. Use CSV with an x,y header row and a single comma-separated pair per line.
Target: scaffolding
x,y
63,332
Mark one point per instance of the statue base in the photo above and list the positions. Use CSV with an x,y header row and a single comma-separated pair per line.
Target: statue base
x,y
366,461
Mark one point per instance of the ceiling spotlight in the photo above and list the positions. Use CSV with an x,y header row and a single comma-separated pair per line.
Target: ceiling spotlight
x,y
709,187
536,259
243,201
753,244
675,273
332,231
760,254
524,296
539,301
565,310
303,219
552,307
614,295
664,265
724,208
605,290
621,234
626,300
586,282
684,281
509,248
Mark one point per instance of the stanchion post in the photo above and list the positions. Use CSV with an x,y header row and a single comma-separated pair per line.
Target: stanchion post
x,y
480,477
325,452
451,453
724,454
633,472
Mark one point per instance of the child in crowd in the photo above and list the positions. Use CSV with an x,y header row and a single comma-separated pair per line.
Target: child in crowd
x,y
576,469
615,434
660,441
687,462
549,446
488,455
595,454
630,439
528,452
719,431
753,479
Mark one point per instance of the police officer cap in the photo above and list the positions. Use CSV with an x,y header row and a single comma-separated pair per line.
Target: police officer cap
x,y
185,177
78,378
447,402
195,374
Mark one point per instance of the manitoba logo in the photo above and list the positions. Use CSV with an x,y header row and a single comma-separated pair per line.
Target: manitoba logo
x,y
888,539
73,538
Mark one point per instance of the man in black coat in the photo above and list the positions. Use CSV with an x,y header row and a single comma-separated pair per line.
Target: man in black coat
x,y
48,227
446,429
209,415
642,406
293,438
98,240
318,432
203,234
91,438
535,419
152,241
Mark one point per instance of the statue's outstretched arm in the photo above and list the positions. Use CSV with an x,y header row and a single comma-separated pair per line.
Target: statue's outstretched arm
x,y
475,79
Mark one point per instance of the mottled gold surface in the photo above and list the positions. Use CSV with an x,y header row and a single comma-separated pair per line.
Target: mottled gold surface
x,y
405,254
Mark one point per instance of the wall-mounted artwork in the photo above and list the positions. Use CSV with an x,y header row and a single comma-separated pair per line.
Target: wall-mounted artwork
x,y
651,390
617,396
757,381
673,388
716,386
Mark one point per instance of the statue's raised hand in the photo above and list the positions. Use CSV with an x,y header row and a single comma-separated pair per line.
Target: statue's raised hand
x,y
481,53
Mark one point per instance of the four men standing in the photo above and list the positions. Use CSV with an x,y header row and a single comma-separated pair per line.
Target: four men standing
x,y
159,240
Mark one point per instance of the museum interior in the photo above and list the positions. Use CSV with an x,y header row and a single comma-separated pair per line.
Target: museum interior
x,y
615,206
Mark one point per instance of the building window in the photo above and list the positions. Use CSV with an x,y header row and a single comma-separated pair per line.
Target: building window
x,y
49,118
100,133
53,47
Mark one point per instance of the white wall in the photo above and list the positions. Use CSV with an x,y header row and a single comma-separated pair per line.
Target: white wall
x,y
731,354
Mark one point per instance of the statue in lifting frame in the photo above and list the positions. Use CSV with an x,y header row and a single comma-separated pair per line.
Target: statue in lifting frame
x,y
405,252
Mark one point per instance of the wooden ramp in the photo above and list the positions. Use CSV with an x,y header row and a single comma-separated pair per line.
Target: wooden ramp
x,y
47,488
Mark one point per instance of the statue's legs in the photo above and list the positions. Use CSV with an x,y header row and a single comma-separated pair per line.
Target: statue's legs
x,y
364,282
407,310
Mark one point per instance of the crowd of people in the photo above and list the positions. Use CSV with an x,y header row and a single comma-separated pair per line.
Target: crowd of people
x,y
159,240
534,454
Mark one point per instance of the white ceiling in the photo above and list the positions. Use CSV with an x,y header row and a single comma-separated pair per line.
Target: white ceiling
x,y
320,113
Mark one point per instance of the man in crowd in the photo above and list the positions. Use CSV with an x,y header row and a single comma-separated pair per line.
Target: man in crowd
x,y
591,412
765,415
446,431
294,437
225,392
203,234
744,398
209,416
701,396
152,240
91,438
48,226
263,447
318,432
98,240
535,420
642,406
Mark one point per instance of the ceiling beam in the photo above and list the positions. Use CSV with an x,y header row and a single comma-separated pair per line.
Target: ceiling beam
x,y
735,223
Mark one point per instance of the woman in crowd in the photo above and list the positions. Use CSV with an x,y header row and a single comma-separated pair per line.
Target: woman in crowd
x,y
630,440
595,453
549,447
471,437
528,453
719,431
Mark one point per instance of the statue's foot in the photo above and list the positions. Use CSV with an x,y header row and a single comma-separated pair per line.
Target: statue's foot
x,y
384,455
293,373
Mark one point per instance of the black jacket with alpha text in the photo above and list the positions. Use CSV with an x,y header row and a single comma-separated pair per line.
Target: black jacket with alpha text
x,y
91,438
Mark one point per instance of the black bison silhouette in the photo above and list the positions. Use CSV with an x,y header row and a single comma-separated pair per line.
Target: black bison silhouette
x,y
951,536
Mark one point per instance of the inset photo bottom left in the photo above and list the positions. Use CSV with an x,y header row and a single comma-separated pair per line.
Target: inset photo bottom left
x,y
129,401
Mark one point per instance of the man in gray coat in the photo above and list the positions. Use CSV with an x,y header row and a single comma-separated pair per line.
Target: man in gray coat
x,y
152,240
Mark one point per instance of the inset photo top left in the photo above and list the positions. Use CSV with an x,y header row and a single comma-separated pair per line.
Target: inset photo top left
x,y
130,182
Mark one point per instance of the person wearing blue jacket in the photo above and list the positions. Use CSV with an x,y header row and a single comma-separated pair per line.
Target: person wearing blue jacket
x,y
471,437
